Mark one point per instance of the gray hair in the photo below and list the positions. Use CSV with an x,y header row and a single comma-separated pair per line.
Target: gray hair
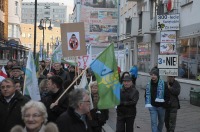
x,y
76,96
38,105
93,83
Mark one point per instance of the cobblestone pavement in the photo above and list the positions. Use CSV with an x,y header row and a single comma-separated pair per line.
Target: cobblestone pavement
x,y
188,118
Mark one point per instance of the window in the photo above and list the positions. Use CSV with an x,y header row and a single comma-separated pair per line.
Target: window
x,y
128,26
144,53
23,35
29,35
189,58
47,13
16,8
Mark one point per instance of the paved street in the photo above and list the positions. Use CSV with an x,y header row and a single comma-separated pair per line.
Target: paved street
x,y
187,121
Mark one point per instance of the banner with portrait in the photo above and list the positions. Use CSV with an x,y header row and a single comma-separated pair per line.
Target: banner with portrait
x,y
73,39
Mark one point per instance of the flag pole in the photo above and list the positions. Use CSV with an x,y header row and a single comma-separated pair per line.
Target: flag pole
x,y
72,84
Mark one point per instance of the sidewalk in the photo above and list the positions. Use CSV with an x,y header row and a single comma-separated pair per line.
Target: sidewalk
x,y
188,119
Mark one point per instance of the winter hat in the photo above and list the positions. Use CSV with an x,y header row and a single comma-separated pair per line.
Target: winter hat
x,y
155,71
127,78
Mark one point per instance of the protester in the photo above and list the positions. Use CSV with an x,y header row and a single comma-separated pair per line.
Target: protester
x,y
58,70
15,63
126,110
43,86
17,74
34,115
55,109
72,72
134,73
156,99
98,117
75,118
18,85
11,102
171,111
8,67
47,68
123,75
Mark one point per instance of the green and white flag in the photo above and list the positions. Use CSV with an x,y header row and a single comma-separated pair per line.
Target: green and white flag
x,y
31,88
57,54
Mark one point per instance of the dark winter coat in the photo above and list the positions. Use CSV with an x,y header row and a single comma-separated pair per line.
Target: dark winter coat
x,y
70,121
57,110
128,101
174,91
10,113
63,74
99,118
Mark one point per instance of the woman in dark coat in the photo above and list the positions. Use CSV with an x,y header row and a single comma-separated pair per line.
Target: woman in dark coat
x,y
97,117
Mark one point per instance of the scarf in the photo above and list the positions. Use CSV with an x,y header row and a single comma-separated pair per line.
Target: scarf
x,y
159,95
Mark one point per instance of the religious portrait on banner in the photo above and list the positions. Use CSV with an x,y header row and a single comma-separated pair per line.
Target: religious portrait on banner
x,y
73,40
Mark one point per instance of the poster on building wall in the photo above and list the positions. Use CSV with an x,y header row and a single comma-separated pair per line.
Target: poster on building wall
x,y
100,3
73,39
100,19
168,22
167,48
168,36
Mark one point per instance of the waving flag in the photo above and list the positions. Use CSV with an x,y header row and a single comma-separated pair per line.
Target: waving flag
x,y
105,70
57,54
84,84
3,74
31,88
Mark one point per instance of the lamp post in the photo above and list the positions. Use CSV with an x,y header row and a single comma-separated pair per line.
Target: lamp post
x,y
42,26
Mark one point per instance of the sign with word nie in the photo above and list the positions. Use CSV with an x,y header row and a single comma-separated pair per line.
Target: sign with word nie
x,y
167,61
168,72
168,22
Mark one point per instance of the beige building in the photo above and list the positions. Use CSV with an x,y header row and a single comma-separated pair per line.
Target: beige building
x,y
50,38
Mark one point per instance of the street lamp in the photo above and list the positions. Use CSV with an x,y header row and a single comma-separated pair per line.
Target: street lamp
x,y
43,27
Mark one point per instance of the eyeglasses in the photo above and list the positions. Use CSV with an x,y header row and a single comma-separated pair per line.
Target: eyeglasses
x,y
6,87
33,116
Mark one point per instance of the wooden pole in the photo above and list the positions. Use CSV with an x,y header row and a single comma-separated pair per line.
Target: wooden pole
x,y
71,85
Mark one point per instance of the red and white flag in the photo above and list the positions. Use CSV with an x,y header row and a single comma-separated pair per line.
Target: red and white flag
x,y
3,73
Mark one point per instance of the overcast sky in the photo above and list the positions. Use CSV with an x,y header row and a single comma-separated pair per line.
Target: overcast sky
x,y
69,3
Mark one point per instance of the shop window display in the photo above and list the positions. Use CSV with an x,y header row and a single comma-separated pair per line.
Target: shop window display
x,y
144,52
189,58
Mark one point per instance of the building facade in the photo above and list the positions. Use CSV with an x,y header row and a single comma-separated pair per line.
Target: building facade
x,y
150,22
50,38
56,12
3,20
10,18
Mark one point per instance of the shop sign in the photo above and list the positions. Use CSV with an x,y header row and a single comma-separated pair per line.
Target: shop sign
x,y
167,48
167,61
168,22
168,36
168,72
3,62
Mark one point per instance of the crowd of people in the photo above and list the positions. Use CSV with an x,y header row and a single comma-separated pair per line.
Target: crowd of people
x,y
72,112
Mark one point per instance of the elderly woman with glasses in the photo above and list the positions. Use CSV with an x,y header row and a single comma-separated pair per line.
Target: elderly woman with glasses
x,y
35,115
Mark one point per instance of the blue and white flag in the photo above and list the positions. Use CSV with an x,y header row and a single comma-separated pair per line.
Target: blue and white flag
x,y
31,88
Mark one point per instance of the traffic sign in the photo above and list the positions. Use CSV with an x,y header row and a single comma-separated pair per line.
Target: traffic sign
x,y
167,61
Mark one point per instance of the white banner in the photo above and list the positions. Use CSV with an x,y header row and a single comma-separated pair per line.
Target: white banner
x,y
168,61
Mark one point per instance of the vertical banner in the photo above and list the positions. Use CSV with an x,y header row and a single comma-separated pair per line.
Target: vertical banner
x,y
73,39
